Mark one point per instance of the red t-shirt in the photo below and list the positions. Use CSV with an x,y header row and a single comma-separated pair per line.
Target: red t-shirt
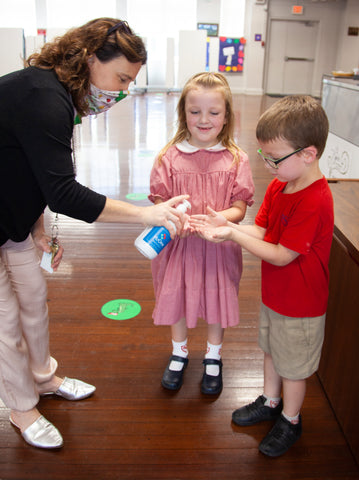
x,y
302,221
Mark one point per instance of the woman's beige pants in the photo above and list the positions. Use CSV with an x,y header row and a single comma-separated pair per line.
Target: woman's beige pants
x,y
24,336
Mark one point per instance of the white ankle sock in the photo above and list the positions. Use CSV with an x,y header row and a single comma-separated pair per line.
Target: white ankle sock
x,y
214,352
294,420
180,350
271,401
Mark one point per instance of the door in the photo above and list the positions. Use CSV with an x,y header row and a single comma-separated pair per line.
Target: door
x,y
291,57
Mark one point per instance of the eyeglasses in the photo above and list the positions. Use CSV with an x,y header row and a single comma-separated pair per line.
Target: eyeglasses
x,y
275,162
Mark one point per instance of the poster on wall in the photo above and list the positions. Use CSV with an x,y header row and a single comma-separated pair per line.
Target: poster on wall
x,y
231,54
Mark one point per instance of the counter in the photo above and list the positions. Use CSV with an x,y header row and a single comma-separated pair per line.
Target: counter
x,y
346,214
339,365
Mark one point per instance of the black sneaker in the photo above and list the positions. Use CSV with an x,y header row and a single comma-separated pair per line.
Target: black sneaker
x,y
256,412
282,436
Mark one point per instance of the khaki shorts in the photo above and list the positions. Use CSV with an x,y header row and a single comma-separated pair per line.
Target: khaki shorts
x,y
295,344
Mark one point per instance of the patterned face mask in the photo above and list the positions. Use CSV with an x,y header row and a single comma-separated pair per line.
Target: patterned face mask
x,y
101,100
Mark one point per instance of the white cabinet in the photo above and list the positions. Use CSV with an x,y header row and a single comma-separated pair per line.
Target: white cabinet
x,y
340,100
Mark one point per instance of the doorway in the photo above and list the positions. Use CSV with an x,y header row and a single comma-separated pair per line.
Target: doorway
x,y
291,57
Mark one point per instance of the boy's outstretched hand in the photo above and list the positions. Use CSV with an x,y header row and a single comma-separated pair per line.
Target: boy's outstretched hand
x,y
213,226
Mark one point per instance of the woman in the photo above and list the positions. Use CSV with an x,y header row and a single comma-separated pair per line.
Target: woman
x,y
83,72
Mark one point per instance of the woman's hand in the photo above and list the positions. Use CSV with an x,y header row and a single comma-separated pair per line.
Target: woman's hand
x,y
57,258
165,212
43,242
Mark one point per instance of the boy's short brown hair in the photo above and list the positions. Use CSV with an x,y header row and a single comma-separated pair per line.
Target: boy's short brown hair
x,y
298,119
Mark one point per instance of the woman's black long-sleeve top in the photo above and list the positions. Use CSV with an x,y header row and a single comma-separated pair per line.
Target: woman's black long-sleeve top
x,y
36,170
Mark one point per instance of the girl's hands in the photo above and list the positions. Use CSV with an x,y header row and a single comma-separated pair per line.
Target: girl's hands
x,y
186,230
213,226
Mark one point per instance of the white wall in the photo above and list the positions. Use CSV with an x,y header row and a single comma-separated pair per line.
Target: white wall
x,y
336,50
208,11
12,50
158,20
192,54
33,43
329,15
348,48
250,81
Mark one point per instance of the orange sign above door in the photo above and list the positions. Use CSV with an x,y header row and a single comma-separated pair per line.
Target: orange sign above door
x,y
297,9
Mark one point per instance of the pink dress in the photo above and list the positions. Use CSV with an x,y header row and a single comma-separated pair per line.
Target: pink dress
x,y
194,278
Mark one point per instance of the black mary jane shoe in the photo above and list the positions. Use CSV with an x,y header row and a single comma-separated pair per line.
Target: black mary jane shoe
x,y
172,379
212,385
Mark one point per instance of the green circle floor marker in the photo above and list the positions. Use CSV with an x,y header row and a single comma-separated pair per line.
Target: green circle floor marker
x,y
137,196
122,309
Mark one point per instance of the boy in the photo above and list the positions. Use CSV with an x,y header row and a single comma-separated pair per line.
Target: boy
x,y
292,235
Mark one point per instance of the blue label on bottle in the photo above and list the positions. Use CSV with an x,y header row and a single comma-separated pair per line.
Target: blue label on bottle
x,y
157,238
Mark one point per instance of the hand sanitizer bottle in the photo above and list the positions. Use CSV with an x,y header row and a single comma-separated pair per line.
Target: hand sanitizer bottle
x,y
153,239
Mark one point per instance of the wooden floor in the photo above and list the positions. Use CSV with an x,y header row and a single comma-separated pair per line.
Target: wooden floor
x,y
132,428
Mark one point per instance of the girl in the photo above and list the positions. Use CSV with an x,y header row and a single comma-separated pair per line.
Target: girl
x,y
194,278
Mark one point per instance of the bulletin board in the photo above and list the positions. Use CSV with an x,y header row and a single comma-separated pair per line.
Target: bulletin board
x,y
231,54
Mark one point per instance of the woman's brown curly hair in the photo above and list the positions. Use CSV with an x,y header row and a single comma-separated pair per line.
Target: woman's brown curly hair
x,y
68,55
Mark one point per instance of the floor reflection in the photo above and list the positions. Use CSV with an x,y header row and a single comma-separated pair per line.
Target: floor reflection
x,y
115,151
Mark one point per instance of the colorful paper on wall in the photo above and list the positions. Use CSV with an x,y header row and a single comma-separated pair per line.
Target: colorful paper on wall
x,y
231,54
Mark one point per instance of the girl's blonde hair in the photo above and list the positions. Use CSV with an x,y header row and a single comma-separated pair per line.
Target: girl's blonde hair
x,y
210,80
68,55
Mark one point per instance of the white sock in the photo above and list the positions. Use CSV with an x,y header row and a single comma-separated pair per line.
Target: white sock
x,y
271,401
180,350
294,420
214,352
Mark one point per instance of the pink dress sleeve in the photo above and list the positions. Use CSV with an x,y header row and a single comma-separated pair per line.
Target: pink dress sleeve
x,y
243,188
161,180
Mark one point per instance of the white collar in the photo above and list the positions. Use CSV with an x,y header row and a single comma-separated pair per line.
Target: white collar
x,y
188,148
